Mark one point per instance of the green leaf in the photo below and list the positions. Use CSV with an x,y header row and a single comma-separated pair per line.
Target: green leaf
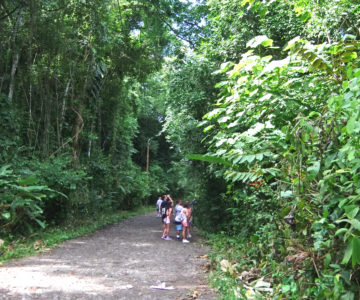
x,y
313,170
4,170
314,114
224,119
32,188
250,158
326,213
348,37
254,238
348,253
327,260
259,156
291,44
335,266
42,224
347,296
355,223
273,65
355,251
244,2
208,128
259,40
350,126
286,194
6,215
208,158
214,113
343,202
351,211
341,231
285,211
28,181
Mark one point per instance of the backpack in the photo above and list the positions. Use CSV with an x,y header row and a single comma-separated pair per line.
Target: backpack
x,y
163,208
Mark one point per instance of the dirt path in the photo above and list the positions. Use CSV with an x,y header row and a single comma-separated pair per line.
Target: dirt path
x,y
117,262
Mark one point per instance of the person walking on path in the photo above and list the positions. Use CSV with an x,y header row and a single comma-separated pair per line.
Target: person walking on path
x,y
178,210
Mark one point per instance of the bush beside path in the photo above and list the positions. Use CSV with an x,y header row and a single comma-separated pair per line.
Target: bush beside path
x,y
122,261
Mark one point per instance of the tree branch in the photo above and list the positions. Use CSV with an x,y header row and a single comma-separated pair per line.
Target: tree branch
x,y
8,14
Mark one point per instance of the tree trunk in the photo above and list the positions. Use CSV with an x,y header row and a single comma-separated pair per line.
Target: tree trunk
x,y
47,116
62,114
15,63
15,60
79,123
90,139
31,61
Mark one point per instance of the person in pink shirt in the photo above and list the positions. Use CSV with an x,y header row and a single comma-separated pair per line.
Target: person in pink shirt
x,y
185,222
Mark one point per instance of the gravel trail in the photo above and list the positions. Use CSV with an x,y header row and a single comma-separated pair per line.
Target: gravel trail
x,y
122,261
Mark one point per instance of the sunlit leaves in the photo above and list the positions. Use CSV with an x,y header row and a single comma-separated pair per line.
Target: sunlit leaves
x,y
260,40
329,21
293,124
313,170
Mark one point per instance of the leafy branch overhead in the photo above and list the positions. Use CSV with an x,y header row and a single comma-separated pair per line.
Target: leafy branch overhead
x,y
286,130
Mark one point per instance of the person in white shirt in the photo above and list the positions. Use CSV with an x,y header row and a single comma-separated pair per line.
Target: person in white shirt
x,y
158,207
178,210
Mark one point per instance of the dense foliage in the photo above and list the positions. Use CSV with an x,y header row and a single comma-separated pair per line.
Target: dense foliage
x,y
75,117
250,107
281,147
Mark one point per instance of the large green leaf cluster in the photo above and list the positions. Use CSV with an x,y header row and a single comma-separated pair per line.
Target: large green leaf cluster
x,y
286,133
74,109
279,168
22,203
232,23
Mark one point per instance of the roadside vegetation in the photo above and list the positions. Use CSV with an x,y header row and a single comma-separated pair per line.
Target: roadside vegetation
x,y
249,107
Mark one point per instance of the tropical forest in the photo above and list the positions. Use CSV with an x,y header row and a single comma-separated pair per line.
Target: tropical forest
x,y
248,108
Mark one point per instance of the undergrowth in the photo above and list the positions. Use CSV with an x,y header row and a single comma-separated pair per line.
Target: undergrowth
x,y
243,269
44,240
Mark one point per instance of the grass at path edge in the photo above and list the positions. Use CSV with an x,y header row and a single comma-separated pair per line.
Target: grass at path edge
x,y
50,237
